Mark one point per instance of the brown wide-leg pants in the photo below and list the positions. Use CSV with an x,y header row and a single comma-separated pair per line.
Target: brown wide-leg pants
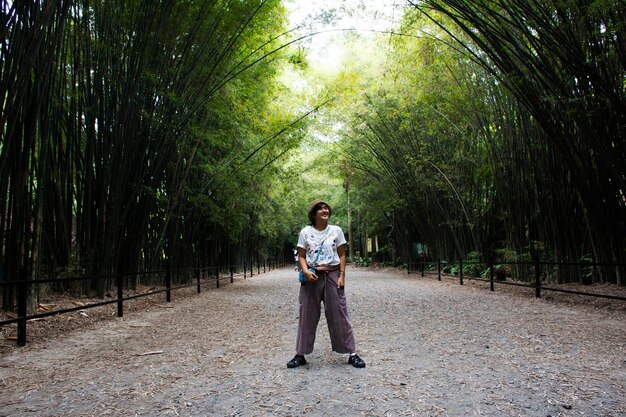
x,y
336,311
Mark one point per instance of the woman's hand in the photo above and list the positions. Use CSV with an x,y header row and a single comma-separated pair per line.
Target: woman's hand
x,y
310,276
341,282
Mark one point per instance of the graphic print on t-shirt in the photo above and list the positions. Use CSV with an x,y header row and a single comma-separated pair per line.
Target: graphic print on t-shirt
x,y
311,239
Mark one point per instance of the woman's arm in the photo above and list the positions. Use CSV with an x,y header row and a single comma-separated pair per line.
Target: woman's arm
x,y
341,251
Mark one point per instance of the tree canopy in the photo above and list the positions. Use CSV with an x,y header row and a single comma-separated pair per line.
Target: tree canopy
x,y
143,135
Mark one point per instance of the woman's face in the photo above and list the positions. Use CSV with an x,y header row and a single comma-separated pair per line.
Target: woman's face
x,y
322,213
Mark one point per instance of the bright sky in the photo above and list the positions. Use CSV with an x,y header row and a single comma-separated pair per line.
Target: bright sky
x,y
363,15
327,50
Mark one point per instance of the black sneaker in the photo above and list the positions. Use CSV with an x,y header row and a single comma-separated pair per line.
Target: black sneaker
x,y
355,361
296,361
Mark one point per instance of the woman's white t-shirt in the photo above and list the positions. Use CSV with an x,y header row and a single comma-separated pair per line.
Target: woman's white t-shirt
x,y
310,240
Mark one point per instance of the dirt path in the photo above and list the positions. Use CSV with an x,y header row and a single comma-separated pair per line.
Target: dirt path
x,y
432,349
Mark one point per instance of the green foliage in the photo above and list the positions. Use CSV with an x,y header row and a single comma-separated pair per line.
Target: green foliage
x,y
185,131
157,133
474,267
361,262
552,66
404,147
454,139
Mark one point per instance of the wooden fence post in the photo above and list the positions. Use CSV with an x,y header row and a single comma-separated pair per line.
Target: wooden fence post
x,y
22,300
537,274
439,269
168,285
491,262
120,294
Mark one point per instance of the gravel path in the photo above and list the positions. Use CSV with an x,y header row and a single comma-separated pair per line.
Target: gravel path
x,y
432,349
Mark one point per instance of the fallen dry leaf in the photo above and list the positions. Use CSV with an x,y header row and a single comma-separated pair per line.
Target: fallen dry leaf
x,y
154,352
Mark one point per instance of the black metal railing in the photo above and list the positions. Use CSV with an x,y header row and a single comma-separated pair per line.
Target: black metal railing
x,y
534,267
211,274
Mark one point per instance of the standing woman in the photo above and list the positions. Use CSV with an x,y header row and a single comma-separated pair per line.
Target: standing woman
x,y
322,247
